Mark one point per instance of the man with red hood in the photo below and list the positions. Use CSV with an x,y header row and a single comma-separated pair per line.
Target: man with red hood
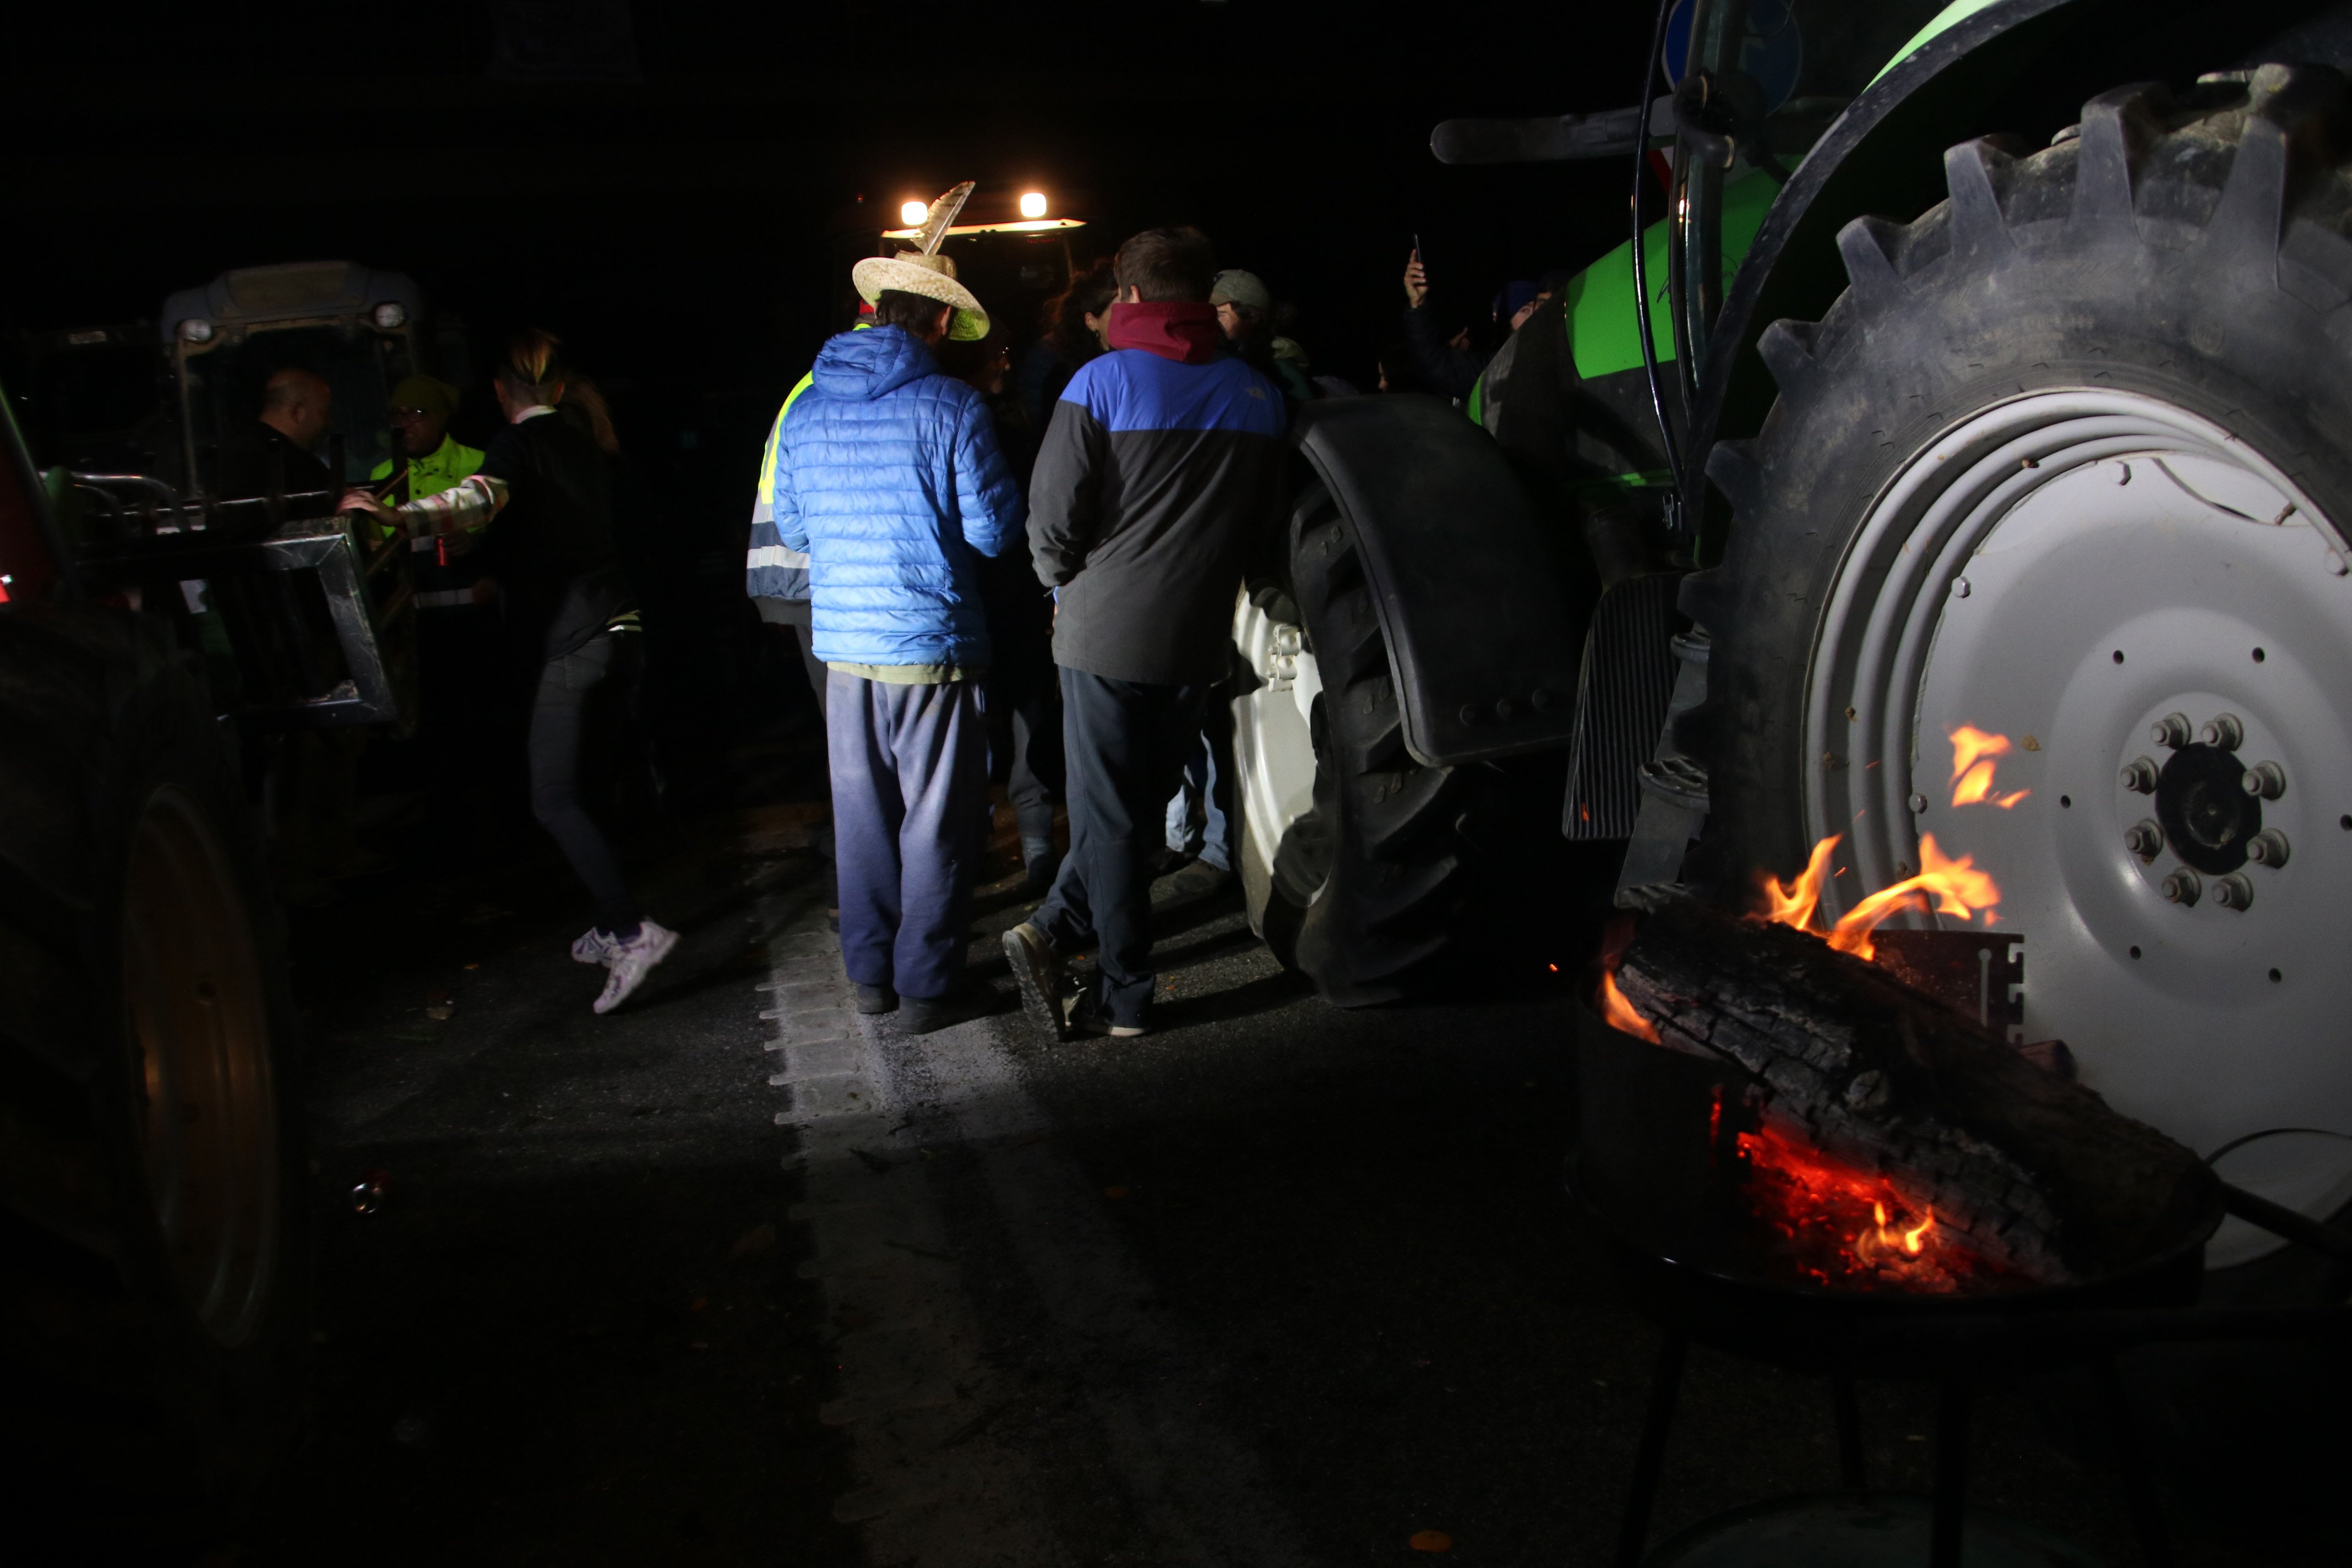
x,y
1160,470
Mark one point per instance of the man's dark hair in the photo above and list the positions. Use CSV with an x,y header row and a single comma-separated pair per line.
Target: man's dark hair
x,y
1166,264
919,314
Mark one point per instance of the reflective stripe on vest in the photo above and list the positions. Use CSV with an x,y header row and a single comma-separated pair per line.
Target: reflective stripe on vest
x,y
438,585
772,570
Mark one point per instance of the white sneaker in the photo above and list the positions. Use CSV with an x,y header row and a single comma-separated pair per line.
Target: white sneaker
x,y
594,946
632,961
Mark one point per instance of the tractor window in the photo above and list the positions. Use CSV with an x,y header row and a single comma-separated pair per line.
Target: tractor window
x,y
1800,62
225,388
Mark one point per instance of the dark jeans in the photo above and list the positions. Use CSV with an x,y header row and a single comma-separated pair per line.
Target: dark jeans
x,y
909,823
1126,743
559,724
1024,739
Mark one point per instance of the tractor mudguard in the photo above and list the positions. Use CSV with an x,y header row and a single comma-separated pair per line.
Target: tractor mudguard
x,y
1483,642
2015,66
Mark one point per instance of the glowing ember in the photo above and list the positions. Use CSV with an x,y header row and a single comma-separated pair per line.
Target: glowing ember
x,y
1621,1014
1843,1226
1973,752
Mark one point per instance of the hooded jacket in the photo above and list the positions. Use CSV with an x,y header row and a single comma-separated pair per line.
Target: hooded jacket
x,y
888,476
1162,468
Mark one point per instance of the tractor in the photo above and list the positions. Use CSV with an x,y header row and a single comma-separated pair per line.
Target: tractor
x,y
1953,467
154,637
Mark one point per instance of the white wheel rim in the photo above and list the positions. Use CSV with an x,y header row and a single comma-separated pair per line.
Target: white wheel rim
x,y
1991,584
1273,746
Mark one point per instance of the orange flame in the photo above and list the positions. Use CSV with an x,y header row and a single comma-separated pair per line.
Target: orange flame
x,y
1952,887
1884,1235
1792,903
1973,752
1621,1014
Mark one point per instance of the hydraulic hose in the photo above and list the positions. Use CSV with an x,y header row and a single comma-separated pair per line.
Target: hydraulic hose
x,y
1650,67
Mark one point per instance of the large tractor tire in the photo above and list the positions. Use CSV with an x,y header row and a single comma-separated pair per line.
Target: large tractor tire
x,y
1360,878
154,1295
2070,464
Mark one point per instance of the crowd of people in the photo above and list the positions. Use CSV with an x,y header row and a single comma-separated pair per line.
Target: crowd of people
x,y
990,573
1028,572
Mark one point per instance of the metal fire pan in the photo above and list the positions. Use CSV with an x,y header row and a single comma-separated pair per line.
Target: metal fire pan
x,y
1644,1165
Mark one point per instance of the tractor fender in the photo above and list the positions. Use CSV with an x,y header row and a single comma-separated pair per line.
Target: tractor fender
x,y
1484,643
2021,67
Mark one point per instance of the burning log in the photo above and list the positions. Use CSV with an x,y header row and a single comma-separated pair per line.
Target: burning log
x,y
2027,1170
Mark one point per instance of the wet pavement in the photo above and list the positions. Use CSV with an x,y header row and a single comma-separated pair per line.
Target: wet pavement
x,y
734,1276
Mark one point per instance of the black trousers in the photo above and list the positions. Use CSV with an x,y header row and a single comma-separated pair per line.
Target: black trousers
x,y
1025,744
1125,743
559,728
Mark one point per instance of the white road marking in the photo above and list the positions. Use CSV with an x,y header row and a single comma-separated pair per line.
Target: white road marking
x,y
916,1392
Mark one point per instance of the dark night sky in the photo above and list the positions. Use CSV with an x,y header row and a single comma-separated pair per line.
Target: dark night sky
x,y
674,228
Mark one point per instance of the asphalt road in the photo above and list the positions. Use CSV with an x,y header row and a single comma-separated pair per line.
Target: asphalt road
x,y
736,1277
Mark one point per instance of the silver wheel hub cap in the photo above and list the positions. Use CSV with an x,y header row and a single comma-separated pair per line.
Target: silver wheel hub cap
x,y
1274,744
2159,624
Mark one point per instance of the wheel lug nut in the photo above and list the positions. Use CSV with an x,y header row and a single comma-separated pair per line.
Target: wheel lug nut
x,y
2144,839
2233,891
2183,886
2224,732
2139,775
2267,848
1918,803
2267,780
2172,731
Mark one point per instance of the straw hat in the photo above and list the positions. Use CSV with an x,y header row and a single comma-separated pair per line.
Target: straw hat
x,y
933,278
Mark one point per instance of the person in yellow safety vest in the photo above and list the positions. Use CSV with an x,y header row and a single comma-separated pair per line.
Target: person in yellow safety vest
x,y
775,575
430,461
462,673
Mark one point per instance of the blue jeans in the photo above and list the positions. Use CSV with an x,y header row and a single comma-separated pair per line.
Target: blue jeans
x,y
910,826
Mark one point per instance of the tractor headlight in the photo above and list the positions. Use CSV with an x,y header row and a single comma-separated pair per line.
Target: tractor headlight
x,y
195,329
1032,203
391,314
912,213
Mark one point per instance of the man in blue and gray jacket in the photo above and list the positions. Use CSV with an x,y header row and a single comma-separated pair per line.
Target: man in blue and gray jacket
x,y
888,477
1160,470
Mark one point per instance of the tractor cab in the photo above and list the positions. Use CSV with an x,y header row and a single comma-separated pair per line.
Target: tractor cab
x,y
295,618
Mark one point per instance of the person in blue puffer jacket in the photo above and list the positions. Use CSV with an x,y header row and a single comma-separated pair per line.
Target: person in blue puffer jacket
x,y
889,477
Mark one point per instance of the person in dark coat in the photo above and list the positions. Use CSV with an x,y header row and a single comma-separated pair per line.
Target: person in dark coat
x,y
1160,471
1451,366
1075,321
1023,693
277,455
543,502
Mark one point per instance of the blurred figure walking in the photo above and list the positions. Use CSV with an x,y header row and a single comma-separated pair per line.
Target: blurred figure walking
x,y
889,479
542,504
